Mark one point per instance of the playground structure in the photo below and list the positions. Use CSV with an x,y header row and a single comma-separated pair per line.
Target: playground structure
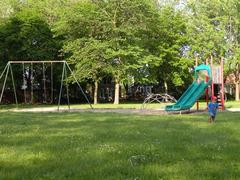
x,y
213,78
65,67
157,98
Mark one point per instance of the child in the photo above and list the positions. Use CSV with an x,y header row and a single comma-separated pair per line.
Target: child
x,y
212,109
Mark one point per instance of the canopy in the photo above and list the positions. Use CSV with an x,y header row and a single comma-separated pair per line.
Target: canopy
x,y
203,67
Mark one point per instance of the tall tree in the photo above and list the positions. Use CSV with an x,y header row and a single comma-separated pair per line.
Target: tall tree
x,y
26,36
171,43
125,24
81,27
119,26
214,28
206,28
232,28
89,60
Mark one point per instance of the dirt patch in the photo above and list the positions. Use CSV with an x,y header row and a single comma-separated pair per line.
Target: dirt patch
x,y
108,110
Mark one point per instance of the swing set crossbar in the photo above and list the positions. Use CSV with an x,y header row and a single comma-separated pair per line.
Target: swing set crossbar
x,y
34,62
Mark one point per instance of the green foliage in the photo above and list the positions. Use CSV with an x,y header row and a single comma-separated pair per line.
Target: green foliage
x,y
138,39
172,39
142,41
116,26
214,28
88,55
79,21
129,25
26,36
207,28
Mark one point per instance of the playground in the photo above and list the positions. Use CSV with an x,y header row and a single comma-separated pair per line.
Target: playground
x,y
129,89
206,78
167,139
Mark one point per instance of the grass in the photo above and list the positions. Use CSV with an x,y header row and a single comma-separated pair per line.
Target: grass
x,y
232,104
113,146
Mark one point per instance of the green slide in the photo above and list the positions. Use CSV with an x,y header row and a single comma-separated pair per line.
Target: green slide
x,y
193,93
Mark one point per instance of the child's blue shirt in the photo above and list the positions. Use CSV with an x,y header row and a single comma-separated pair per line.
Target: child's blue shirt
x,y
212,108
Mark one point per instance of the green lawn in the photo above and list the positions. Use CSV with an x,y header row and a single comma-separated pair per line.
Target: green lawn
x,y
118,146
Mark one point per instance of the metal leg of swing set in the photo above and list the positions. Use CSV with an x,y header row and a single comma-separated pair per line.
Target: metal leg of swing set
x,y
4,83
9,67
64,73
61,86
13,83
44,84
67,88
5,68
78,84
24,88
51,83
31,83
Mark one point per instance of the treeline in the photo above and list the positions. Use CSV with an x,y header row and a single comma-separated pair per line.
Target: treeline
x,y
130,41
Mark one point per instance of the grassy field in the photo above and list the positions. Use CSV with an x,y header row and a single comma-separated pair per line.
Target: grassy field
x,y
113,146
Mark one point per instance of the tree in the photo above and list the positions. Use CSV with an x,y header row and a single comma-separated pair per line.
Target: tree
x,y
126,24
89,59
214,28
118,28
171,43
26,36
206,28
233,41
5,9
81,28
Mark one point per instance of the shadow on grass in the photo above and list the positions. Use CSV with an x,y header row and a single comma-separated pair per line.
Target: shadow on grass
x,y
117,146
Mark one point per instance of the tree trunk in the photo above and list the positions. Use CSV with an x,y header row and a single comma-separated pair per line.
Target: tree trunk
x,y
95,92
237,91
126,90
237,82
166,86
116,94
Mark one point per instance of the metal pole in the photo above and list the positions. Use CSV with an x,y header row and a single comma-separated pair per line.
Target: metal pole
x,y
35,62
67,87
79,85
44,84
212,90
51,83
31,83
196,64
3,71
222,83
13,83
4,83
60,93
207,78
25,85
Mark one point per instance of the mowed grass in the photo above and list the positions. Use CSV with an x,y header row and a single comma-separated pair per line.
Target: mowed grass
x,y
118,146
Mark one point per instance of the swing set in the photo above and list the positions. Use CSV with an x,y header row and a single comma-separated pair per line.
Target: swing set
x,y
29,71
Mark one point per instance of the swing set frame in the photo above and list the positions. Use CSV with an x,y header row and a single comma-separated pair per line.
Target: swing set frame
x,y
65,65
